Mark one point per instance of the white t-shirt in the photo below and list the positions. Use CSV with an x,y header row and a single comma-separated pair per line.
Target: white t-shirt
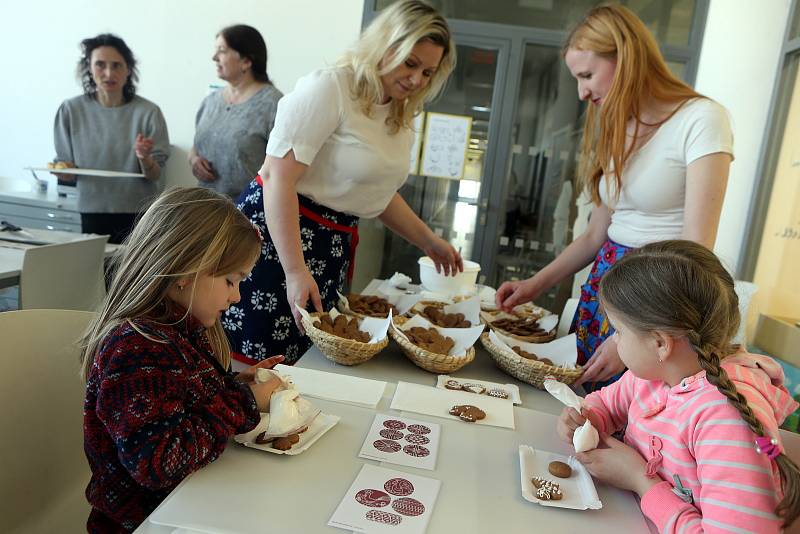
x,y
354,164
651,205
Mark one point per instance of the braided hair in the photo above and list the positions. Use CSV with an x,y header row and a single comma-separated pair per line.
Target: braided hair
x,y
682,288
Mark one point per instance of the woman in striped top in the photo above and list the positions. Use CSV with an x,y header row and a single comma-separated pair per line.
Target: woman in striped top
x,y
700,417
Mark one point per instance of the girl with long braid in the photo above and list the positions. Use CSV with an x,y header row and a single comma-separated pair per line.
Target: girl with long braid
x,y
700,417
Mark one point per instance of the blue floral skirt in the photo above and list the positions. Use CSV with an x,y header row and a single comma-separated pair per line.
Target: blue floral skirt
x,y
261,324
590,323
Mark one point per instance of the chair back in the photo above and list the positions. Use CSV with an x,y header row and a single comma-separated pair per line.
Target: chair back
x,y
43,469
567,314
66,276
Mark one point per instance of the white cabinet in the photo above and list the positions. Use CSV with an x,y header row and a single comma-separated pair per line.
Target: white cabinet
x,y
40,210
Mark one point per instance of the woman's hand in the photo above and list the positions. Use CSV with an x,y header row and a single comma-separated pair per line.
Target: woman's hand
x,y
300,287
619,465
143,146
263,391
444,256
604,364
511,294
570,420
202,169
249,374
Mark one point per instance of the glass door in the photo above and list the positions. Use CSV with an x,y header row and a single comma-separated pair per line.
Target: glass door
x,y
454,206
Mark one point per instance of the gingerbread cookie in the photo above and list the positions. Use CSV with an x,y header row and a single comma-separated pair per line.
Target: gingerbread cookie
x,y
342,327
452,384
547,490
519,327
473,388
445,320
525,354
468,413
497,393
559,469
370,305
430,339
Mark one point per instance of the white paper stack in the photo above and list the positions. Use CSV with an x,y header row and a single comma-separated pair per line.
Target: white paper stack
x,y
335,387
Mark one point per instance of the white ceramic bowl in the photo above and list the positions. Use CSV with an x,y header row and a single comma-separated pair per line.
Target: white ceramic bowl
x,y
463,282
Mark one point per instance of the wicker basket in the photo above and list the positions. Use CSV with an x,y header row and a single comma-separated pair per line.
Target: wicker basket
x,y
339,349
531,371
430,361
488,317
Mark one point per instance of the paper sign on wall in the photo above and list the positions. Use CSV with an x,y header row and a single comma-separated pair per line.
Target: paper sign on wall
x,y
444,151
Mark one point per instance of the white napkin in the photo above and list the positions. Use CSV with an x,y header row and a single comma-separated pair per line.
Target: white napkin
x,y
464,337
586,437
399,280
400,301
560,351
471,308
376,327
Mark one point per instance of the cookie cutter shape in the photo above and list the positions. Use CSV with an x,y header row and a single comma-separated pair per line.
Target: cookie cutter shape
x,y
418,451
419,429
399,487
408,506
417,439
386,445
394,424
390,433
387,518
373,498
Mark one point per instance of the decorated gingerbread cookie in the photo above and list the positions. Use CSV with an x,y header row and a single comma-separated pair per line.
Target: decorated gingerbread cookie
x,y
468,413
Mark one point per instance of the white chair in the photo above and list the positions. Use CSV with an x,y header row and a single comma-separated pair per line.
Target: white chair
x,y
567,314
791,446
43,470
745,291
66,276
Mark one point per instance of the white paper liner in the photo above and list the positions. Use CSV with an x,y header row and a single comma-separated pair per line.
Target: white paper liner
x,y
401,301
321,424
464,337
585,437
548,323
511,389
579,489
376,327
400,280
561,351
334,386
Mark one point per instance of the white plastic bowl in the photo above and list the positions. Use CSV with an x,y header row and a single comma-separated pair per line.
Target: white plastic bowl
x,y
463,282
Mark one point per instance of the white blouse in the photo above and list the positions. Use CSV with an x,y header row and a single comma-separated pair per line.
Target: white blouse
x,y
354,164
650,206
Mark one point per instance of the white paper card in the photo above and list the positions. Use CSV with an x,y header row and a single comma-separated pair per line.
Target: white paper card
x,y
384,500
560,351
464,337
335,387
579,490
402,441
437,402
511,389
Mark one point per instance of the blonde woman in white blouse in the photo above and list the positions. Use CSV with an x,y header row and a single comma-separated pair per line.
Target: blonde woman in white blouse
x,y
339,151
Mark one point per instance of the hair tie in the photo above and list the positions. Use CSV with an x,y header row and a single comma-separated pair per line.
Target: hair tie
x,y
768,446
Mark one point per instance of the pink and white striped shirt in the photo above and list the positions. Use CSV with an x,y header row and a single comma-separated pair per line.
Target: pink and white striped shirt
x,y
691,434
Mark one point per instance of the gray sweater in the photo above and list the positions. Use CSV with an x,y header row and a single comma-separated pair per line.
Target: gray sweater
x,y
95,137
234,137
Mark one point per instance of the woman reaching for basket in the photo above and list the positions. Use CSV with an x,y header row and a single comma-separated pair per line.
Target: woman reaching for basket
x,y
671,148
339,150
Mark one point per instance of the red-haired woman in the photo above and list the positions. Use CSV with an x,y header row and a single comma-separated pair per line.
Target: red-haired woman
x,y
655,158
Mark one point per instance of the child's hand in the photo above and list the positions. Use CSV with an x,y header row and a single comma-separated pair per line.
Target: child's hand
x,y
568,421
249,374
619,465
263,392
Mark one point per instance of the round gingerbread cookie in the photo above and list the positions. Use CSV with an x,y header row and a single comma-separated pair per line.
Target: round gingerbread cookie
x,y
559,469
394,424
373,498
387,518
416,450
389,433
419,429
399,487
386,445
452,384
417,439
408,506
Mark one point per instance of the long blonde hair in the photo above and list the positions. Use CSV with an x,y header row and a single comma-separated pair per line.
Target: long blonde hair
x,y
392,36
641,75
680,287
186,232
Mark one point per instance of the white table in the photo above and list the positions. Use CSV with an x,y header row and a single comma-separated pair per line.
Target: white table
x,y
248,490
11,257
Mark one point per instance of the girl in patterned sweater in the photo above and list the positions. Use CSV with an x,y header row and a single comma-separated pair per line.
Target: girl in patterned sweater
x,y
160,400
700,417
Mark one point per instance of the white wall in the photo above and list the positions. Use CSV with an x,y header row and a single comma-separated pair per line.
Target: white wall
x,y
738,64
173,42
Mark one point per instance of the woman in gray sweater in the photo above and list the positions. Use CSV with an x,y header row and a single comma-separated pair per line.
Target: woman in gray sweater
x,y
111,128
233,124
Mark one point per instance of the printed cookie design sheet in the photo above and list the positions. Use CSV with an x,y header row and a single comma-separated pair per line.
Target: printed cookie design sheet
x,y
384,500
402,441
